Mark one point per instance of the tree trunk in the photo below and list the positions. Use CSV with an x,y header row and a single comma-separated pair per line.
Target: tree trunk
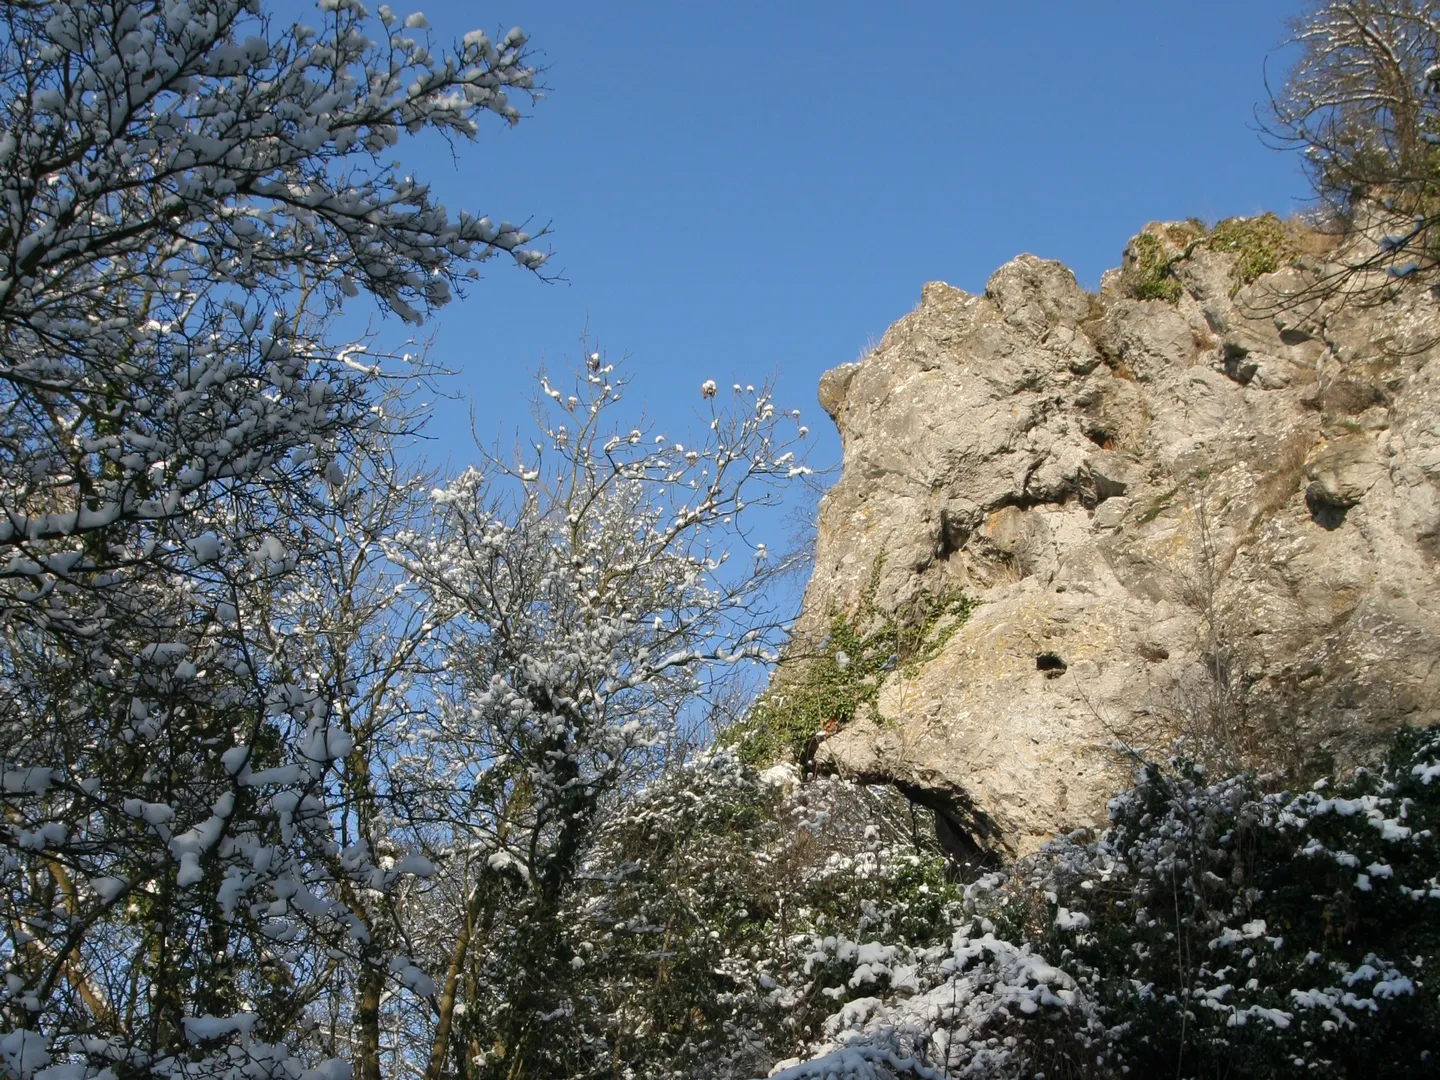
x,y
445,1004
367,1024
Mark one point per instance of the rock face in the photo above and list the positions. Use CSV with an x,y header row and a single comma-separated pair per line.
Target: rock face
x,y
1215,519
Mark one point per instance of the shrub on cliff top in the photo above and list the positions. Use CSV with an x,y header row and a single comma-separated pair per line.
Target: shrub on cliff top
x,y
1260,244
1152,276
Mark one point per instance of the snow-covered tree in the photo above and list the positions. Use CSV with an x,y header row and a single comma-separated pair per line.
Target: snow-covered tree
x,y
188,194
726,913
589,594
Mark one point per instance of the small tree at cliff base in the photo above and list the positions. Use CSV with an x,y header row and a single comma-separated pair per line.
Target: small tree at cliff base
x,y
587,592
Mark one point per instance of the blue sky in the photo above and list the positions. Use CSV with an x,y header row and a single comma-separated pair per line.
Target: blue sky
x,y
745,189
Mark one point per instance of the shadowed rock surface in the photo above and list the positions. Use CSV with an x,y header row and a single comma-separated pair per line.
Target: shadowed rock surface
x,y
1217,518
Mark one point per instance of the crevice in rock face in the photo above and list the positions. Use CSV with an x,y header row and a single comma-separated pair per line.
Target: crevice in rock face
x,y
1101,438
952,535
1051,664
966,834
969,838
1238,366
1327,515
1152,652
1340,397
1029,500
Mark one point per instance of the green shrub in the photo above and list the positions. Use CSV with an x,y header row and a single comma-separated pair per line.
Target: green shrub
x,y
737,918
1222,931
1260,245
1152,277
723,918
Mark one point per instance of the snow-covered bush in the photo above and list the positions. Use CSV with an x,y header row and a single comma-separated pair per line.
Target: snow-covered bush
x,y
1221,929
1212,929
732,922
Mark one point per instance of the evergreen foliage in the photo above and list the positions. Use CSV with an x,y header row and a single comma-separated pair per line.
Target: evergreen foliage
x,y
1215,929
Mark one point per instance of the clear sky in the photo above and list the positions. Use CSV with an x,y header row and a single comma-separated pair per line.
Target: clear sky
x,y
748,188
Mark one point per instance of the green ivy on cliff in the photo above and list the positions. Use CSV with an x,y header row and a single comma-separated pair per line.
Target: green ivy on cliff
x,y
818,694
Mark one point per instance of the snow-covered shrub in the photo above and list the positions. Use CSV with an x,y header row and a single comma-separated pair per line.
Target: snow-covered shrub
x,y
979,1007
728,913
1213,929
734,922
1221,929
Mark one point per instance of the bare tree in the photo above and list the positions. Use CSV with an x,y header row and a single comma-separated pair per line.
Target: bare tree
x,y
1360,105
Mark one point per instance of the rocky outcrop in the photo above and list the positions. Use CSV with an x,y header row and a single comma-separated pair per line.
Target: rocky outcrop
x,y
1214,519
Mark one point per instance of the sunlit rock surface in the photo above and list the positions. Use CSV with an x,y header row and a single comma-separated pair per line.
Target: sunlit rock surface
x,y
1216,519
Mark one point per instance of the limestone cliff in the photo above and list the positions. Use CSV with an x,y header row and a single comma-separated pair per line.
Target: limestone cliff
x,y
1213,515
